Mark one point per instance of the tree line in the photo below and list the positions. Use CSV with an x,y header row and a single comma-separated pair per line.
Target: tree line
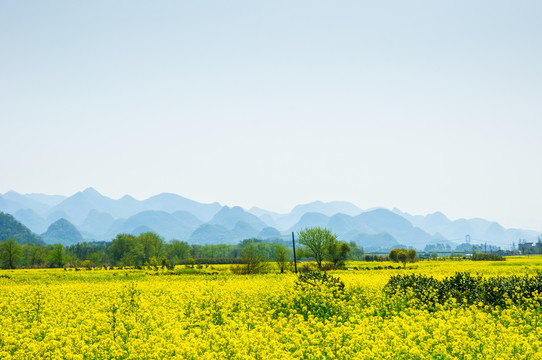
x,y
150,249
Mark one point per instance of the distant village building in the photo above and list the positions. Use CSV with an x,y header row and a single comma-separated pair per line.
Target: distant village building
x,y
527,248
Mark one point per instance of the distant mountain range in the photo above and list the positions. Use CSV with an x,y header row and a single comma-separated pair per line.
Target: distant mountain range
x,y
89,215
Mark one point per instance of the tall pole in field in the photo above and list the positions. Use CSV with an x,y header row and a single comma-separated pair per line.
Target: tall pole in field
x,y
295,260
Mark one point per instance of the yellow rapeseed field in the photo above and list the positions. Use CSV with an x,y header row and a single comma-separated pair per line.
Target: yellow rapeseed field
x,y
143,314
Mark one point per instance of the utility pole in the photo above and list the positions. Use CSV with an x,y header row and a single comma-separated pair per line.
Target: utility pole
x,y
295,260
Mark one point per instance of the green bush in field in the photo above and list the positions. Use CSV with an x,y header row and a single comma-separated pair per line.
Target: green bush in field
x,y
487,257
468,289
315,294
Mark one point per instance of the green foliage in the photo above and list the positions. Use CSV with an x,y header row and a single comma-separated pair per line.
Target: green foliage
x,y
337,252
133,250
35,255
10,254
393,255
402,255
153,262
318,241
497,291
10,228
151,245
315,294
281,257
120,247
252,261
356,252
57,256
487,257
316,278
368,257
93,252
177,251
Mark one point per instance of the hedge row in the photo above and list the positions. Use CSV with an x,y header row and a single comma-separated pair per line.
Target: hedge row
x,y
497,291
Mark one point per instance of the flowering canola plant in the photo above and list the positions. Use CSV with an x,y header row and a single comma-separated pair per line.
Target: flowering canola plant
x,y
134,314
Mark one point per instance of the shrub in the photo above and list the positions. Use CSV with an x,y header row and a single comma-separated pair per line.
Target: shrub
x,y
497,291
315,278
314,294
487,257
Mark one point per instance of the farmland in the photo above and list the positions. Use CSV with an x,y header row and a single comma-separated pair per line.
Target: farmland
x,y
210,313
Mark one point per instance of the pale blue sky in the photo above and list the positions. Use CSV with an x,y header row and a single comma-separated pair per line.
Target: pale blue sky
x,y
420,105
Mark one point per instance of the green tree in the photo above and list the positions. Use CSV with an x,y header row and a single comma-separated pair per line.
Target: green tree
x,y
337,252
120,247
356,252
153,245
177,250
154,263
412,255
402,255
195,251
35,255
10,254
281,256
57,256
252,261
393,255
317,240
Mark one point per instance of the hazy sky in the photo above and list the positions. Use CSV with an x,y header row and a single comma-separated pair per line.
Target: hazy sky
x,y
420,105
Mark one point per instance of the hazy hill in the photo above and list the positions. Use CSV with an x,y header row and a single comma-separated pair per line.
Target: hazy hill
x,y
211,234
96,224
349,228
10,228
383,220
178,225
142,229
30,219
18,202
344,225
310,220
266,218
62,232
78,206
56,215
172,216
243,230
287,221
229,217
219,234
327,208
10,206
49,200
172,202
187,219
269,233
432,223
480,230
382,242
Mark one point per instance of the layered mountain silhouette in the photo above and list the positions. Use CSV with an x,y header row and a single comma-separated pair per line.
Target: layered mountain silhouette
x,y
288,220
33,221
375,222
229,218
10,228
478,230
62,232
177,225
89,215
